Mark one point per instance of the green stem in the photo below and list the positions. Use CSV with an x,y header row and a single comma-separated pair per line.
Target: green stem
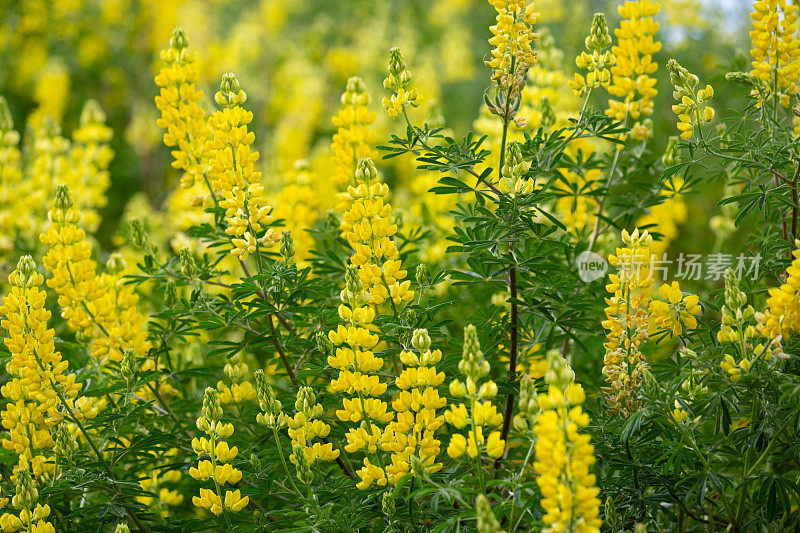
x,y
517,478
478,462
283,459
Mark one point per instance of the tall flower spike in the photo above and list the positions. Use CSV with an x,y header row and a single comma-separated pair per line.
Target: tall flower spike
x,y
627,322
477,410
111,320
232,172
32,515
181,114
595,60
35,370
369,229
305,427
774,47
691,109
564,456
357,378
398,83
217,467
412,433
632,81
512,55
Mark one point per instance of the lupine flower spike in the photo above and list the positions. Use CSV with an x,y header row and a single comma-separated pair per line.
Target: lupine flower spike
x,y
398,82
564,455
476,412
596,60
691,108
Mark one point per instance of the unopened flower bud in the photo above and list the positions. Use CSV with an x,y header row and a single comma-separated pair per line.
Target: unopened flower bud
x,y
287,246
116,263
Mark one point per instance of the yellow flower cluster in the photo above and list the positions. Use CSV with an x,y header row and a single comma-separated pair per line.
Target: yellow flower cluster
x,y
38,374
233,174
181,114
564,455
99,306
477,410
775,47
353,139
397,82
632,83
306,426
358,366
412,433
368,227
240,390
676,311
596,59
512,38
691,109
218,468
89,157
627,321
782,316
32,519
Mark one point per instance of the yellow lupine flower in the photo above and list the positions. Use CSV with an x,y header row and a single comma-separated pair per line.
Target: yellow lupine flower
x,y
782,315
305,427
356,362
512,39
181,114
99,306
564,455
627,321
233,177
775,47
240,390
691,109
632,81
676,311
477,410
35,369
595,60
368,228
397,82
220,454
412,433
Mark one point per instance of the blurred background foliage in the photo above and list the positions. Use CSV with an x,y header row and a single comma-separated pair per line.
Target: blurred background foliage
x,y
294,58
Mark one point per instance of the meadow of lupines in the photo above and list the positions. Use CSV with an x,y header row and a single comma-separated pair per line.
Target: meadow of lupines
x,y
399,266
